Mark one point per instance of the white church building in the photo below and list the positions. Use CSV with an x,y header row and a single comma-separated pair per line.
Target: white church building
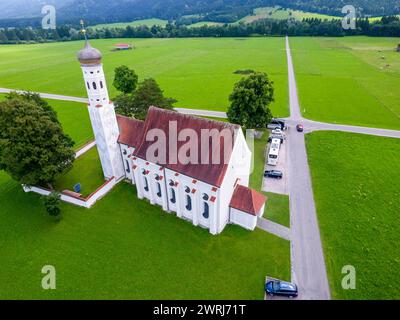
x,y
208,193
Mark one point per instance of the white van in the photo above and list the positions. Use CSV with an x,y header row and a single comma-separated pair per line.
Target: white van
x,y
273,153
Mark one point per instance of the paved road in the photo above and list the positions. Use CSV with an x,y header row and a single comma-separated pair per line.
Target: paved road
x,y
310,126
294,118
197,112
308,264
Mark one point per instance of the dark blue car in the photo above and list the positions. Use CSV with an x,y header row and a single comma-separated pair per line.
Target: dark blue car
x,y
281,288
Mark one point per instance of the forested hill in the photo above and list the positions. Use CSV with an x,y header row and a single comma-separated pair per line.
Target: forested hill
x,y
105,11
214,10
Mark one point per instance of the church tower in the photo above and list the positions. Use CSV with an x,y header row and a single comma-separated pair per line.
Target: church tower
x,y
101,111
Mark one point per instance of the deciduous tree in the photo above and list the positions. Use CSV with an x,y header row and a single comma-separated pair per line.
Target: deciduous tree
x,y
250,101
125,80
33,147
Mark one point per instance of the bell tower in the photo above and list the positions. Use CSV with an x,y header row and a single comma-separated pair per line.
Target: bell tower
x,y
101,111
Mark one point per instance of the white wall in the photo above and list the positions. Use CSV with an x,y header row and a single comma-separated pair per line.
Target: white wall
x,y
243,219
79,201
126,153
238,168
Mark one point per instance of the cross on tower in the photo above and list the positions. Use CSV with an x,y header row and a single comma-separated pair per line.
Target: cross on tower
x,y
83,29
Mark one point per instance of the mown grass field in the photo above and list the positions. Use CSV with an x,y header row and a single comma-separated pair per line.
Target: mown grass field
x,y
205,23
136,23
282,14
87,171
353,80
356,182
199,73
126,248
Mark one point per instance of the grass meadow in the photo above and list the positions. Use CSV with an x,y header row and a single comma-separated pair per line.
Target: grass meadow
x,y
353,80
356,182
126,248
282,14
136,23
123,247
87,171
199,73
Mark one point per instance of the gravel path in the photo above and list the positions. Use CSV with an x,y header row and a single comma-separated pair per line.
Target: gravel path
x,y
274,228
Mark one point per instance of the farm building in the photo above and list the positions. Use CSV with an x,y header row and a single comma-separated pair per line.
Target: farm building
x,y
122,46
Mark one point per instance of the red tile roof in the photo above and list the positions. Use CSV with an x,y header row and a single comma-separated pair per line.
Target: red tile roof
x,y
209,173
247,200
131,131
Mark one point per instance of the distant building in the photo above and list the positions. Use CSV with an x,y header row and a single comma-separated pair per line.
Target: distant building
x,y
209,195
122,47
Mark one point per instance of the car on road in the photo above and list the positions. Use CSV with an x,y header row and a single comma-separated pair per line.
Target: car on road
x,y
299,128
276,174
281,288
277,131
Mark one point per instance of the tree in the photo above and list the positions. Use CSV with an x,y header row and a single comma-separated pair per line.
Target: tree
x,y
149,94
33,147
125,105
250,101
125,79
52,204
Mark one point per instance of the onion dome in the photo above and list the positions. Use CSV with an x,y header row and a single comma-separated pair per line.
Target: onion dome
x,y
89,55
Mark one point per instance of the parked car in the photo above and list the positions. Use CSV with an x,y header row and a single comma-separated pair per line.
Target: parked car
x,y
276,136
276,174
278,122
274,126
277,131
299,128
281,288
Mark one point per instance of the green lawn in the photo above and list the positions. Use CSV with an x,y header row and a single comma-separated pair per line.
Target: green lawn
x,y
205,23
199,73
125,248
87,171
356,182
277,208
352,80
281,14
136,23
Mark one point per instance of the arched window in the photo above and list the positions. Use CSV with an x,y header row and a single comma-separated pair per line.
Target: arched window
x,y
158,190
146,184
173,196
205,197
188,203
206,210
127,167
187,189
101,84
94,86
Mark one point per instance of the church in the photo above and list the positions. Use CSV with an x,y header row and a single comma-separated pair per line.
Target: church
x,y
193,167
